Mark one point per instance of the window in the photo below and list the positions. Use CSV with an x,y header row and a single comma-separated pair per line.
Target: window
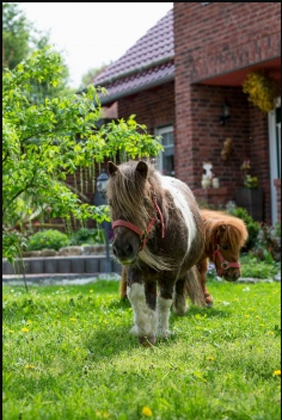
x,y
165,160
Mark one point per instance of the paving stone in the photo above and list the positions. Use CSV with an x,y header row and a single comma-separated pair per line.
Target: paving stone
x,y
36,265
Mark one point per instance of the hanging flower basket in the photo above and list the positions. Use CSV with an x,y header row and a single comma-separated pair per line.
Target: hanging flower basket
x,y
262,90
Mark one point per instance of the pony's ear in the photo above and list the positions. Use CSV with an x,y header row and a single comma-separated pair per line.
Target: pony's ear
x,y
142,169
112,168
218,229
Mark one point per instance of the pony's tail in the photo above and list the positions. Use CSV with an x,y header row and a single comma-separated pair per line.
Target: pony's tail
x,y
194,288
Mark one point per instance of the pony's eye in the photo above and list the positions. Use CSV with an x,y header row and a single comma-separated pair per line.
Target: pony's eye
x,y
225,247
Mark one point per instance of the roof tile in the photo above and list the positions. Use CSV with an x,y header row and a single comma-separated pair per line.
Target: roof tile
x,y
148,62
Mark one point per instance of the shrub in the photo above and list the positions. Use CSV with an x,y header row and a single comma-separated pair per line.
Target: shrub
x,y
268,246
88,236
252,266
51,239
253,227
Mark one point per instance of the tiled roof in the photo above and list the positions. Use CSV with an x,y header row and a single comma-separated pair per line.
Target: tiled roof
x,y
146,64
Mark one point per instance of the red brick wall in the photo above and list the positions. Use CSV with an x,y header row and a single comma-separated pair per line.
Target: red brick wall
x,y
200,136
212,40
154,107
259,155
221,37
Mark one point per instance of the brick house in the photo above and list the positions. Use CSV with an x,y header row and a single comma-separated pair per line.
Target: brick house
x,y
181,77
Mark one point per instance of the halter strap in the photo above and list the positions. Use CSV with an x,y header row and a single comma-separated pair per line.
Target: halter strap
x,y
224,264
143,234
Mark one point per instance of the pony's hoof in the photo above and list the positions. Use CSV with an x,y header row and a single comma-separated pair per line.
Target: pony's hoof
x,y
147,341
180,311
208,300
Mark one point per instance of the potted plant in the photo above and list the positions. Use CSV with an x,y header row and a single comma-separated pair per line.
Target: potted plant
x,y
262,90
250,196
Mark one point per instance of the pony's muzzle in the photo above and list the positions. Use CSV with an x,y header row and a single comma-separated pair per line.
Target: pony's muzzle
x,y
124,254
232,274
125,246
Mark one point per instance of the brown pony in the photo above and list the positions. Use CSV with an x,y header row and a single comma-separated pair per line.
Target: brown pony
x,y
159,237
224,237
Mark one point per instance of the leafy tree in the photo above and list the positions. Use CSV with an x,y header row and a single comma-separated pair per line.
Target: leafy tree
x,y
16,35
20,38
43,142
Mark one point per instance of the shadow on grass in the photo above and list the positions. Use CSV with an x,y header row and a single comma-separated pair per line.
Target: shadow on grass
x,y
109,341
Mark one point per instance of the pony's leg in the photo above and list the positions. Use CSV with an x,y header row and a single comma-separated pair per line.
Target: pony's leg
x,y
164,302
203,268
145,317
123,283
180,306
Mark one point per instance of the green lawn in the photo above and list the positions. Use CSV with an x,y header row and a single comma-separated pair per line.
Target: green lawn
x,y
67,354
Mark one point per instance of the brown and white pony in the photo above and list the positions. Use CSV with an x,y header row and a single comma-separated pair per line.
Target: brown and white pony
x,y
225,235
159,237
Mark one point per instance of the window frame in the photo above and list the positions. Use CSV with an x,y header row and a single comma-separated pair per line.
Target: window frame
x,y
160,131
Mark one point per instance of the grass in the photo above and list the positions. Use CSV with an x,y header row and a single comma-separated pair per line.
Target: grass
x,y
67,354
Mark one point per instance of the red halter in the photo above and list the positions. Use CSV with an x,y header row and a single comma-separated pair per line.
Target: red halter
x,y
143,234
224,265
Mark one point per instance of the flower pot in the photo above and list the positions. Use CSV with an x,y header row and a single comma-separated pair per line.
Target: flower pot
x,y
252,200
215,182
205,182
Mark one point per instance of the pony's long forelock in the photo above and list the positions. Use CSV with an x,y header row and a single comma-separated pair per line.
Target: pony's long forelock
x,y
126,190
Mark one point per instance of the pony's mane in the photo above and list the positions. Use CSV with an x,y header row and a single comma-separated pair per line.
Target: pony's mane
x,y
232,229
131,195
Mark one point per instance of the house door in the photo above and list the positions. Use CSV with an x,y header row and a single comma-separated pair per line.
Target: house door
x,y
274,126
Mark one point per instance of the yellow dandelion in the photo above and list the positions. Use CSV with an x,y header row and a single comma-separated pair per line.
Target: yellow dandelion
x,y
25,330
73,319
277,372
211,358
101,414
147,411
29,366
199,316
